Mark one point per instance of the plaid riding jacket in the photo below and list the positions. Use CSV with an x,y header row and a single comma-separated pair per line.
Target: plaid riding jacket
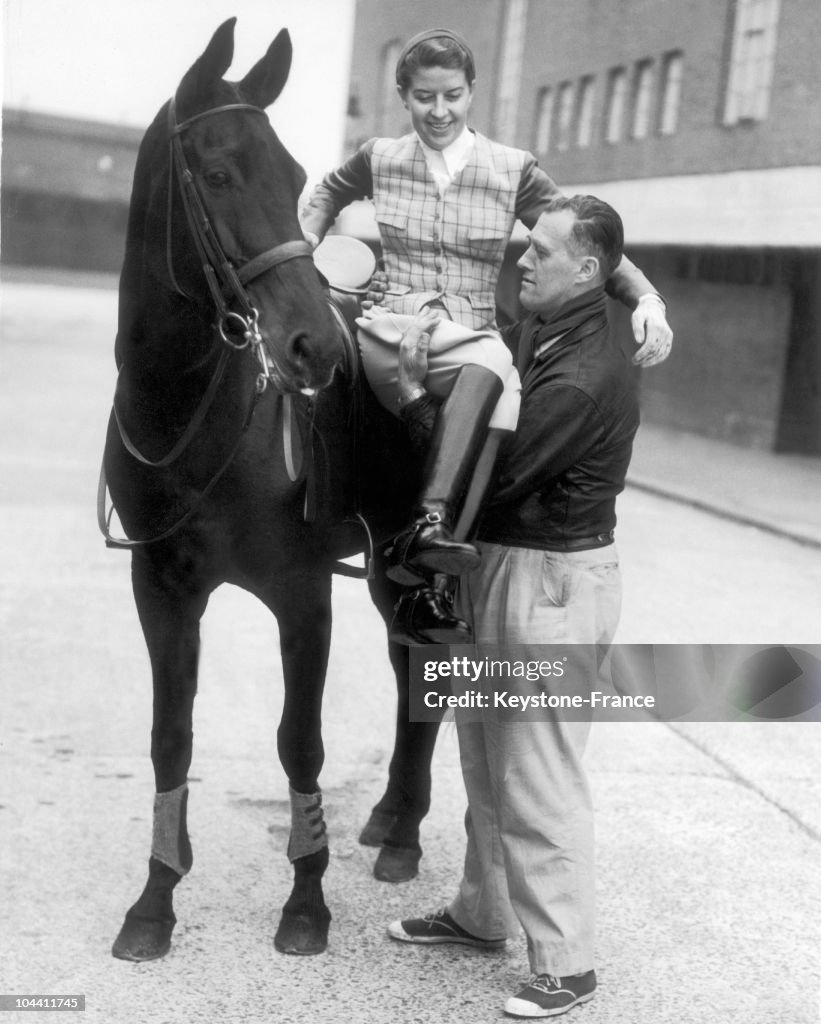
x,y
447,247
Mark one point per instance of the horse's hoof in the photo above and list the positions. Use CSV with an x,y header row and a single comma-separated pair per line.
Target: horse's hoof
x,y
397,863
377,827
301,935
142,938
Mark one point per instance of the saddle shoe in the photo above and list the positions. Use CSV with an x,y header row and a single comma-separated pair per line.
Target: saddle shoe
x,y
548,996
438,928
424,615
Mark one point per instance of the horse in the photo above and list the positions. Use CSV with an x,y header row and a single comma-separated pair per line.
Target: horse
x,y
232,456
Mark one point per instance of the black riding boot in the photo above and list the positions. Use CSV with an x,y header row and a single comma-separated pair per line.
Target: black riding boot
x,y
428,546
424,615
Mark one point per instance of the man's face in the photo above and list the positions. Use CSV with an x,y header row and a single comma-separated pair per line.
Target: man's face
x,y
551,273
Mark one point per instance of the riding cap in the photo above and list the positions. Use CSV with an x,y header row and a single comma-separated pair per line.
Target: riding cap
x,y
432,33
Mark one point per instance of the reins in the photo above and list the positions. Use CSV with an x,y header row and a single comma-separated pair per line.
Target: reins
x,y
104,518
226,285
225,281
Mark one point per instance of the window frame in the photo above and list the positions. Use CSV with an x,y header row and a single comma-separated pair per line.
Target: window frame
x,y
545,104
641,114
615,105
752,61
670,90
586,100
565,114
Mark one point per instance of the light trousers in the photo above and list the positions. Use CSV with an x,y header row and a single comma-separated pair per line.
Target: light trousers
x,y
452,346
529,857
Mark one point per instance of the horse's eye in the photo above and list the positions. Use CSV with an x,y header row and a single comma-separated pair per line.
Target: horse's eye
x,y
217,179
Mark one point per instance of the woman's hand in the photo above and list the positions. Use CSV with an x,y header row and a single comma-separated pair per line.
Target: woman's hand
x,y
651,331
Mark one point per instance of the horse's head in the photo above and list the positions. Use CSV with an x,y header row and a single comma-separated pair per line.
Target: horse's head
x,y
231,172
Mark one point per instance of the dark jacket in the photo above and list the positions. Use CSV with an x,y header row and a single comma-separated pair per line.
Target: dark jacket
x,y
560,473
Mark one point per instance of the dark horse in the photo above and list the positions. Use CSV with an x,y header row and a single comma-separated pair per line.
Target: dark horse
x,y
231,456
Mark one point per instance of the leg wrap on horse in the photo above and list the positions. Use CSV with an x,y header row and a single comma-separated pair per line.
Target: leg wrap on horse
x,y
308,832
170,843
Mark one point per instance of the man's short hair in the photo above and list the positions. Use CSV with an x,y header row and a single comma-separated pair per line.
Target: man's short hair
x,y
598,230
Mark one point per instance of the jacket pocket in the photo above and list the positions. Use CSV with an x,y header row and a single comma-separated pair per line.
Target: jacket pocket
x,y
395,220
484,310
393,232
484,243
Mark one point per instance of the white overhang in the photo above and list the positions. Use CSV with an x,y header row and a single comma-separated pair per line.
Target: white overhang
x,y
776,207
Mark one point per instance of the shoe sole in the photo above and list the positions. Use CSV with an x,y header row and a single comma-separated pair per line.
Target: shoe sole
x,y
451,564
404,575
395,931
516,1007
445,636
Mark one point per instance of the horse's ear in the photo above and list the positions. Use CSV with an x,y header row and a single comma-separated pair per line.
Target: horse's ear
x,y
210,67
266,79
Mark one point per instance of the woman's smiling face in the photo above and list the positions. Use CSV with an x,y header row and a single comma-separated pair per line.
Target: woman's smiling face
x,y
438,100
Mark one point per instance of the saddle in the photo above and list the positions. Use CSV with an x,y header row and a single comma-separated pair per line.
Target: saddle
x,y
376,438
345,266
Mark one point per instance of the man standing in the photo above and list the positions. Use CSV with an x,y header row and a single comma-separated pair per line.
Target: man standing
x,y
548,575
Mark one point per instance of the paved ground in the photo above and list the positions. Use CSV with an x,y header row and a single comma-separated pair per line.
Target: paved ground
x,y
709,834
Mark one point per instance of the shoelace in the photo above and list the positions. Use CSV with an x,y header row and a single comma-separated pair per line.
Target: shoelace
x,y
435,916
546,983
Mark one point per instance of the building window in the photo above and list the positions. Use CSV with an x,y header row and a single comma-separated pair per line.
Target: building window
x,y
672,71
354,100
642,99
513,41
386,101
751,60
565,125
616,98
544,120
584,130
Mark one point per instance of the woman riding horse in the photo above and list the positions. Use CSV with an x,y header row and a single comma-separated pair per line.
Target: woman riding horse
x,y
446,199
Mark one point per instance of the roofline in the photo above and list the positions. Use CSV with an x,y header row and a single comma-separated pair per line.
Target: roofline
x,y
74,127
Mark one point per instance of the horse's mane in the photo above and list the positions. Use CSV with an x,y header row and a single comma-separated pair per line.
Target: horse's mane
x,y
150,161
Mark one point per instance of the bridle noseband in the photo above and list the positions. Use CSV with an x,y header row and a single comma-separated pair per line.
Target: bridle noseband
x,y
225,280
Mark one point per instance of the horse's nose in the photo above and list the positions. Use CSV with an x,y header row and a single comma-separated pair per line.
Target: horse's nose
x,y
314,359
298,348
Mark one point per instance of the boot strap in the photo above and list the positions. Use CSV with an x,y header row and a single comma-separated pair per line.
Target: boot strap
x,y
428,519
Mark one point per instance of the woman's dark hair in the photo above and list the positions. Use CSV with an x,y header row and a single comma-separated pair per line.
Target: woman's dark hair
x,y
437,48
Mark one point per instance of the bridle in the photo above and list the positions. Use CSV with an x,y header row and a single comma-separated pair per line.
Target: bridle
x,y
226,282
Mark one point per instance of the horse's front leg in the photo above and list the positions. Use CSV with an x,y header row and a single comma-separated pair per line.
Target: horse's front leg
x,y
170,609
302,606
